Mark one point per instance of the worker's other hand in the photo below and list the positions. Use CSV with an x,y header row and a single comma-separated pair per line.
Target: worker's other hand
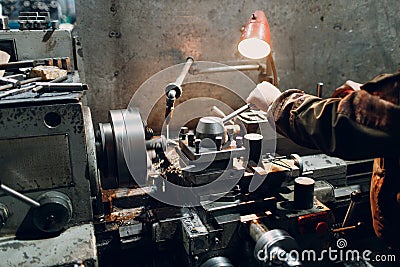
x,y
347,88
263,95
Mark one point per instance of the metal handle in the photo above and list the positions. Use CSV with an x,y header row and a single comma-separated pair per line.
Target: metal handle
x,y
185,70
236,112
19,196
355,197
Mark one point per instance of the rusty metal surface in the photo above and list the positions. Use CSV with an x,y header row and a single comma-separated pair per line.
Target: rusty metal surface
x,y
74,246
313,41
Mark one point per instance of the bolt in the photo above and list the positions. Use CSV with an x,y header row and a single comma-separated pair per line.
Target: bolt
x,y
218,142
182,133
190,137
197,145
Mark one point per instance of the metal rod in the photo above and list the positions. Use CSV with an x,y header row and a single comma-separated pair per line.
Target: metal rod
x,y
355,196
13,85
342,229
7,86
17,91
20,196
228,68
236,112
348,213
31,80
59,79
17,65
63,87
185,70
220,113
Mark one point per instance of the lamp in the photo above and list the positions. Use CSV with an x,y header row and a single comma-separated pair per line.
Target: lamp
x,y
256,37
255,43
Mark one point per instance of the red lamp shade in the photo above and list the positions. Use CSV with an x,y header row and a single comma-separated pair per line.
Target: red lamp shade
x,y
256,37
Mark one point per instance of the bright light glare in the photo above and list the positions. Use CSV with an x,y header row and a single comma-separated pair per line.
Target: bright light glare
x,y
254,48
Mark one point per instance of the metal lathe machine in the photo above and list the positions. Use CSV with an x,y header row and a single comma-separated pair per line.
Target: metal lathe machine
x,y
118,194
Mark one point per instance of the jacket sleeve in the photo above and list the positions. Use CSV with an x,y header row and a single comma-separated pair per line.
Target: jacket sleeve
x,y
360,125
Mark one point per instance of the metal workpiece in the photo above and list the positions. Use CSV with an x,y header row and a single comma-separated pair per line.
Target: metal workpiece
x,y
159,144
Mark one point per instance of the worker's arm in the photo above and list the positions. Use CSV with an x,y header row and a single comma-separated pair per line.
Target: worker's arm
x,y
357,126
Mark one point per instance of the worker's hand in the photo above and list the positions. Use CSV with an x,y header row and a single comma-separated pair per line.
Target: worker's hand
x,y
347,88
263,95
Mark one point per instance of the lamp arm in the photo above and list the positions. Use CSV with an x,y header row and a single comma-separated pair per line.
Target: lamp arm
x,y
274,73
268,72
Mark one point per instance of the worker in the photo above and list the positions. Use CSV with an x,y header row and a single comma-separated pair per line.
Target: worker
x,y
359,121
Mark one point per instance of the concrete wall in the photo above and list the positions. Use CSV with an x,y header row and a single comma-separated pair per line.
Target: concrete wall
x,y
126,42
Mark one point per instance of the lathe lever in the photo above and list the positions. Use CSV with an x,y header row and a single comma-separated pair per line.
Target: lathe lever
x,y
19,196
355,197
